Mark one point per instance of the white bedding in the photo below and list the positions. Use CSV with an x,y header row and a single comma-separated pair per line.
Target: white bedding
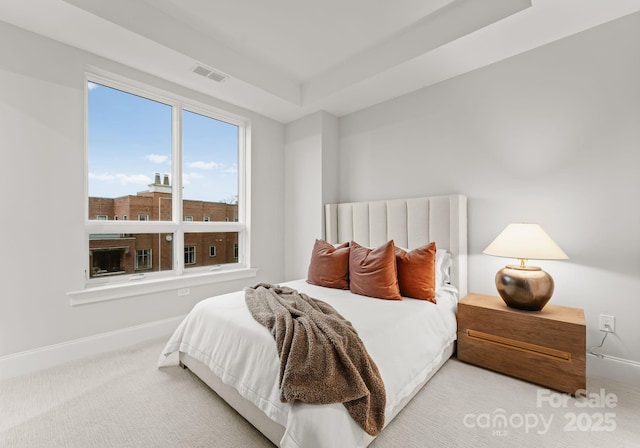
x,y
405,338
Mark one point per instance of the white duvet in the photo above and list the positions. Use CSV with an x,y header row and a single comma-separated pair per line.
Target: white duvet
x,y
406,339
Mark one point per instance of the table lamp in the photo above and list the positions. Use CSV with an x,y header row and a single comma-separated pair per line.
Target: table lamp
x,y
521,286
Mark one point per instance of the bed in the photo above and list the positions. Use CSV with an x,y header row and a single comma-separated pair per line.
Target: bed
x,y
409,339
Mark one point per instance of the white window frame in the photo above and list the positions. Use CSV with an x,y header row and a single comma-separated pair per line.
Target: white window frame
x,y
117,287
214,252
188,218
102,217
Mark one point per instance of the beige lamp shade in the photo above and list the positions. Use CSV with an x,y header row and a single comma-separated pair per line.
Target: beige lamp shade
x,y
526,242
525,287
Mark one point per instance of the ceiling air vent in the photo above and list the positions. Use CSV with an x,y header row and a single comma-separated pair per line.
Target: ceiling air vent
x,y
209,73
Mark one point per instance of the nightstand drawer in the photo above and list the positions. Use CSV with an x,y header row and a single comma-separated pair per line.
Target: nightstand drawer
x,y
519,345
545,347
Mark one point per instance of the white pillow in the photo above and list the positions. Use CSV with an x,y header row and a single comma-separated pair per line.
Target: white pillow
x,y
443,267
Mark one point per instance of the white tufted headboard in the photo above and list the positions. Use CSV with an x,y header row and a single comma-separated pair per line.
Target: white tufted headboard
x,y
410,223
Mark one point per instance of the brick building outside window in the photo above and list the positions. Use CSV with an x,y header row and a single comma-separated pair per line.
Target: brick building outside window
x,y
118,254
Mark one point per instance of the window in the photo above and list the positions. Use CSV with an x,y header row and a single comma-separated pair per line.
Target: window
x,y
167,162
190,255
143,259
106,258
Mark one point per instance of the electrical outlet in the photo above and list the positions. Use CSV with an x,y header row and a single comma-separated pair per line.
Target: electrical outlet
x,y
607,323
184,292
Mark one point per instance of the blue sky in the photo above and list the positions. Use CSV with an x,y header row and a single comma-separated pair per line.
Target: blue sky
x,y
129,141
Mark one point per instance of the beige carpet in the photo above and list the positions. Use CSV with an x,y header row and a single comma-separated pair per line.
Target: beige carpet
x,y
122,400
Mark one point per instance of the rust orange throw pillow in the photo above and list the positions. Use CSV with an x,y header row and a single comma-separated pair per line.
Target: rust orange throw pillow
x,y
329,265
372,272
417,272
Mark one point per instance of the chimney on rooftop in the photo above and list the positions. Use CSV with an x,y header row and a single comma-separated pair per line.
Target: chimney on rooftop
x,y
158,186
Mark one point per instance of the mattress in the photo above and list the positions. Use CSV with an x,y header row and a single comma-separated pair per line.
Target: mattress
x,y
407,339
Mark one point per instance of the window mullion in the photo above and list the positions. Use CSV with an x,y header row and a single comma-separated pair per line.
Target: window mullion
x,y
131,226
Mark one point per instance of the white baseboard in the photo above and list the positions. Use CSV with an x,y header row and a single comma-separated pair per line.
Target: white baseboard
x,y
44,357
617,369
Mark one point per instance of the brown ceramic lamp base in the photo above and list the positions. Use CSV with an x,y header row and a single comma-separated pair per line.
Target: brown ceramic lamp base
x,y
525,288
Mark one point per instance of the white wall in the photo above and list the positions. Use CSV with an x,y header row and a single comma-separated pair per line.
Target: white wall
x,y
551,136
311,157
42,172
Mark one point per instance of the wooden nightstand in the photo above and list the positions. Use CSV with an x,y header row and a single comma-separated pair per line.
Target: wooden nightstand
x,y
546,347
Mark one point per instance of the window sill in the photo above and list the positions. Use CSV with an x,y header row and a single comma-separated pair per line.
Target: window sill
x,y
142,287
